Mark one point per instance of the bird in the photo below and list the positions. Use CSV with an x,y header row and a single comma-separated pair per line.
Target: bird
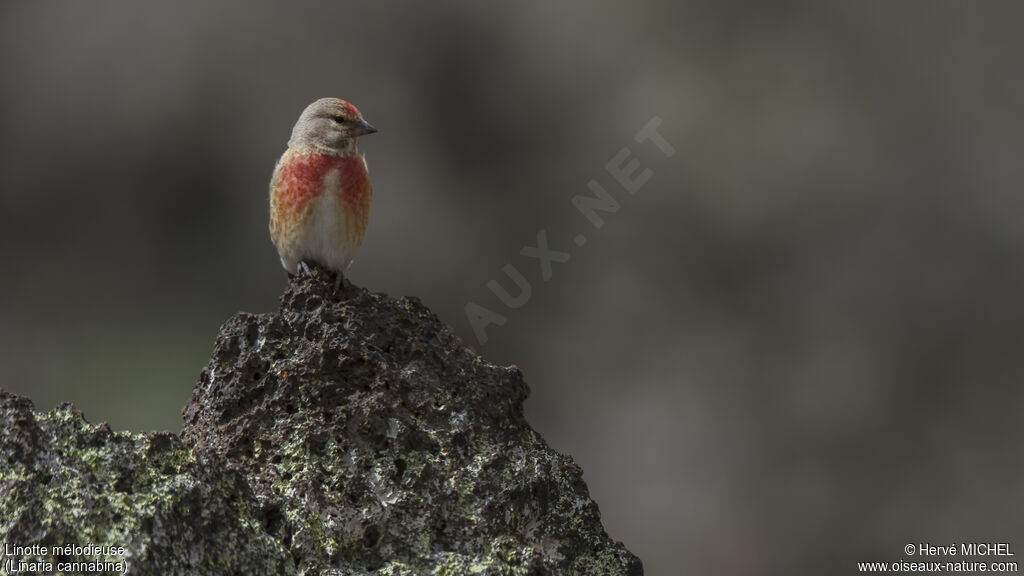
x,y
320,190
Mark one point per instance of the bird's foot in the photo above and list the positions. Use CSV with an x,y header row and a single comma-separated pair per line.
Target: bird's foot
x,y
338,279
304,269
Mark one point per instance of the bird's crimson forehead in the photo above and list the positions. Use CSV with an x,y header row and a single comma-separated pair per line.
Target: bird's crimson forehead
x,y
349,107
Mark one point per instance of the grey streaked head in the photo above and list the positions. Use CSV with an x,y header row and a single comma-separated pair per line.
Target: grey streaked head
x,y
329,125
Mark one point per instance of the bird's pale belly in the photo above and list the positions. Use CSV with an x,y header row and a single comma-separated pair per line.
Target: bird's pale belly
x,y
326,236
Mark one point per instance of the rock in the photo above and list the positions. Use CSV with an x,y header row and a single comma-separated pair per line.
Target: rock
x,y
65,482
349,434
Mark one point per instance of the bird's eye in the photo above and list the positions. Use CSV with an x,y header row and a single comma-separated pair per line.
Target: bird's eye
x,y
338,119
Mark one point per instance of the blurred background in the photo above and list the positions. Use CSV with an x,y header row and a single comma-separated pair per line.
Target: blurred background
x,y
797,347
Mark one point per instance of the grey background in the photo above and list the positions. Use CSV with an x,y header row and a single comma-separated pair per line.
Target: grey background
x,y
797,347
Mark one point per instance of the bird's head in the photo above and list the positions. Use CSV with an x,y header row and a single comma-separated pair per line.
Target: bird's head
x,y
329,125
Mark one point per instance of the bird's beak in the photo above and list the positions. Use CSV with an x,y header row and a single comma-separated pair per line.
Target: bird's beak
x,y
363,127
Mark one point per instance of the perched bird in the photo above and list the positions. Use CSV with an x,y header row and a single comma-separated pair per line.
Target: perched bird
x,y
320,191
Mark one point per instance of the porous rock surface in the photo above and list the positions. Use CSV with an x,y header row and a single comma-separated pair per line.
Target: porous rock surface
x,y
66,482
349,434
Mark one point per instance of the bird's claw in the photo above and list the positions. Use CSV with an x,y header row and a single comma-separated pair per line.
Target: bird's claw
x,y
337,284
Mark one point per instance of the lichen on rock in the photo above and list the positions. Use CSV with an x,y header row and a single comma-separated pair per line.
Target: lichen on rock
x,y
65,482
350,433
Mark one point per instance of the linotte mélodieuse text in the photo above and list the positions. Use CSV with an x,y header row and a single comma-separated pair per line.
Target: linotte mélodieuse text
x,y
36,558
38,550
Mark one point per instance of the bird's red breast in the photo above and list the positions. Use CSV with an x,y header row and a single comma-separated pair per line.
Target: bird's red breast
x,y
302,177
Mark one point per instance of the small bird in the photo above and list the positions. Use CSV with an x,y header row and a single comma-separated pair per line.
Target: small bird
x,y
320,192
